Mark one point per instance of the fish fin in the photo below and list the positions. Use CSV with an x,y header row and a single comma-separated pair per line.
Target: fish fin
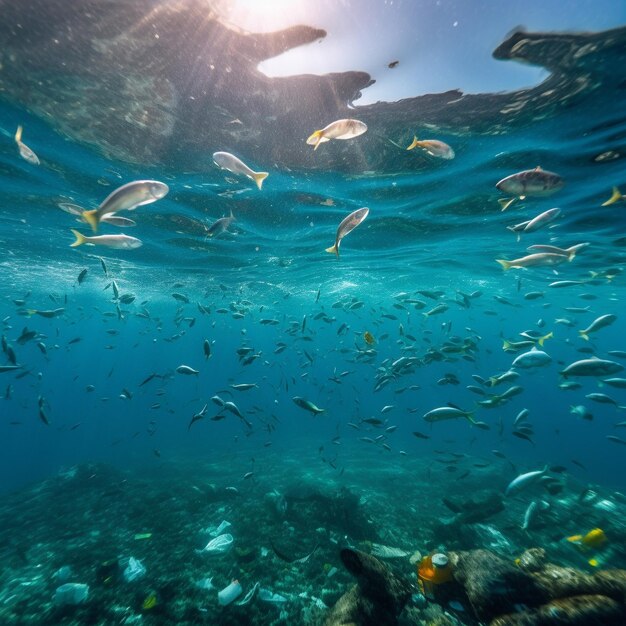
x,y
505,203
333,250
259,177
31,312
615,196
414,143
542,339
583,335
91,217
315,139
505,264
231,214
80,239
18,134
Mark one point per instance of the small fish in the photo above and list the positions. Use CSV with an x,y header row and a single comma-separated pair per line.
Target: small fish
x,y
307,405
592,367
539,259
244,386
535,182
126,198
119,242
340,129
601,322
25,152
369,338
446,413
48,313
419,435
541,220
593,539
532,358
185,369
524,480
206,347
393,64
433,147
82,276
347,225
221,225
230,162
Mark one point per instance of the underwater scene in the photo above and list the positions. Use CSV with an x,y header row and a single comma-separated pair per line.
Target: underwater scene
x,y
313,312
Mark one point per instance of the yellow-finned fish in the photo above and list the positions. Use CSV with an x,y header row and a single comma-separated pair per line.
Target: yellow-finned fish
x,y
339,129
25,152
434,147
347,225
595,538
120,242
540,259
230,162
126,198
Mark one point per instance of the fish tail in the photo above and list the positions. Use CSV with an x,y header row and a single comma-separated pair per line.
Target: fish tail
x,y
31,312
542,339
505,264
470,417
575,538
18,134
505,203
91,217
616,195
414,143
506,345
493,380
315,139
583,335
333,250
259,177
80,239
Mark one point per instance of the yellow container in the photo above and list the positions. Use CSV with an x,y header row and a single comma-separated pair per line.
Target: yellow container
x,y
433,570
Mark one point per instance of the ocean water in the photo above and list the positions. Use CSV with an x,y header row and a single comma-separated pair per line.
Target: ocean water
x,y
96,432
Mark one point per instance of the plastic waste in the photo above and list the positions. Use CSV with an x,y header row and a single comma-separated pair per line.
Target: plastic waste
x,y
219,545
220,529
70,594
134,570
205,583
269,596
249,595
229,593
63,574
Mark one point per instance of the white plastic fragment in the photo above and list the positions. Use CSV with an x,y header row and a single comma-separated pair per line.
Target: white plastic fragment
x,y
229,593
219,545
248,597
70,594
134,570
269,596
220,529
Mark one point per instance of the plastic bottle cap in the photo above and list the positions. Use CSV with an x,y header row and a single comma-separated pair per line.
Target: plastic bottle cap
x,y
439,560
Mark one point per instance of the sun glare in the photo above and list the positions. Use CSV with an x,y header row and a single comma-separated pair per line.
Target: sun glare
x,y
267,15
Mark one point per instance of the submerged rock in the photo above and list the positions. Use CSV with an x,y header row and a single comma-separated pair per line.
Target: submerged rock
x,y
378,597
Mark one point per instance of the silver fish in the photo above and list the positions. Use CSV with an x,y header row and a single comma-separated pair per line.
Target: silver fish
x,y
347,225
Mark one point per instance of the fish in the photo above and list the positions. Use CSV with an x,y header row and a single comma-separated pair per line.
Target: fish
x,y
616,196
307,405
369,338
533,508
541,220
50,313
206,347
119,242
9,368
592,367
25,152
126,198
188,371
220,225
339,129
448,412
581,411
532,358
601,322
244,386
437,310
433,147
230,162
82,276
539,259
619,383
419,435
347,225
593,539
536,182
524,480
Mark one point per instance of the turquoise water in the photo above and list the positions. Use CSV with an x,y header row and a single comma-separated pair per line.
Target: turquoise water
x,y
266,285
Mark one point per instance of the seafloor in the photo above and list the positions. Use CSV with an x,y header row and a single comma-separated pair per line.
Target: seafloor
x,y
289,521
